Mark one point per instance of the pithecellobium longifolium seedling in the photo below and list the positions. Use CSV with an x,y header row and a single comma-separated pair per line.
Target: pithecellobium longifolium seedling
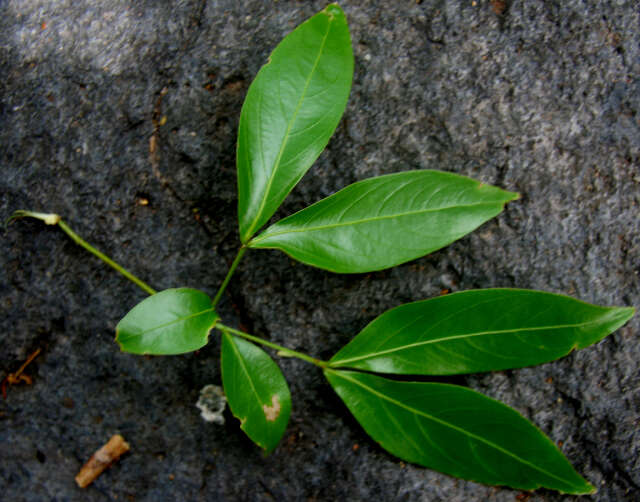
x,y
291,110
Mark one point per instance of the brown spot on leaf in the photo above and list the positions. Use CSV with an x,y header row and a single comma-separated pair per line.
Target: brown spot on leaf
x,y
272,412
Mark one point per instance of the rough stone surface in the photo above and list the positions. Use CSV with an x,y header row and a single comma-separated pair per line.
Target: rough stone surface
x,y
537,97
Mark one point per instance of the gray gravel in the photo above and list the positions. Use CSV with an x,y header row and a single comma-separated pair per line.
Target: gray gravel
x,y
537,97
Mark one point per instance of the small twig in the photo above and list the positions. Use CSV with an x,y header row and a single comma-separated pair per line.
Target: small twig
x,y
17,376
102,459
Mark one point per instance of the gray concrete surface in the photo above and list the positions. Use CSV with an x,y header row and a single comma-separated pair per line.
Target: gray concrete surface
x,y
537,97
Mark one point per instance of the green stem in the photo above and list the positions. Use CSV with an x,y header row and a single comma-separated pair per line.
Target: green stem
x,y
232,269
282,351
54,219
78,240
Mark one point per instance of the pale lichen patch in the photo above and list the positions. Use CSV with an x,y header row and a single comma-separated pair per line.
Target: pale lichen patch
x,y
272,412
212,403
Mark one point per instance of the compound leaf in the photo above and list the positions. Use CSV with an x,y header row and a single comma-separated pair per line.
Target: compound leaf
x,y
290,112
457,431
384,221
173,321
256,390
478,330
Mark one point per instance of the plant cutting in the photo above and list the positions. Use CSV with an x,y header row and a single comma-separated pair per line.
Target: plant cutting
x,y
290,112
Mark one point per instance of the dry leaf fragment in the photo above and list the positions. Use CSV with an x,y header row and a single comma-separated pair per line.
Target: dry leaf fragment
x,y
102,459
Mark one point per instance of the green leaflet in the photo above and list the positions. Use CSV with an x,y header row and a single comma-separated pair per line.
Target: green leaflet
x,y
478,330
173,321
457,431
384,221
256,390
290,112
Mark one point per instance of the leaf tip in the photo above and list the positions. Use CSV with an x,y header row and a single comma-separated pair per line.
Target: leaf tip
x,y
505,196
332,10
627,312
619,316
585,489
509,196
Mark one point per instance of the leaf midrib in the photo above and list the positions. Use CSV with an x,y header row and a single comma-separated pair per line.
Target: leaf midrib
x,y
449,425
461,336
287,134
241,361
170,323
370,219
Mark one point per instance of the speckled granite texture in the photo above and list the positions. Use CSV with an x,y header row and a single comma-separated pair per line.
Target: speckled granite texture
x,y
537,97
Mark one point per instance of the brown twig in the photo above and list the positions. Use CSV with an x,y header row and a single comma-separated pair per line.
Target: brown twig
x,y
17,376
101,459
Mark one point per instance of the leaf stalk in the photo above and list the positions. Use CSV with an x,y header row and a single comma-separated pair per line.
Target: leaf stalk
x,y
282,351
232,269
54,219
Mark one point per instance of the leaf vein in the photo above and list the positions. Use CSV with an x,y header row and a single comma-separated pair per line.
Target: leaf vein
x,y
169,323
460,430
365,220
287,132
462,336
